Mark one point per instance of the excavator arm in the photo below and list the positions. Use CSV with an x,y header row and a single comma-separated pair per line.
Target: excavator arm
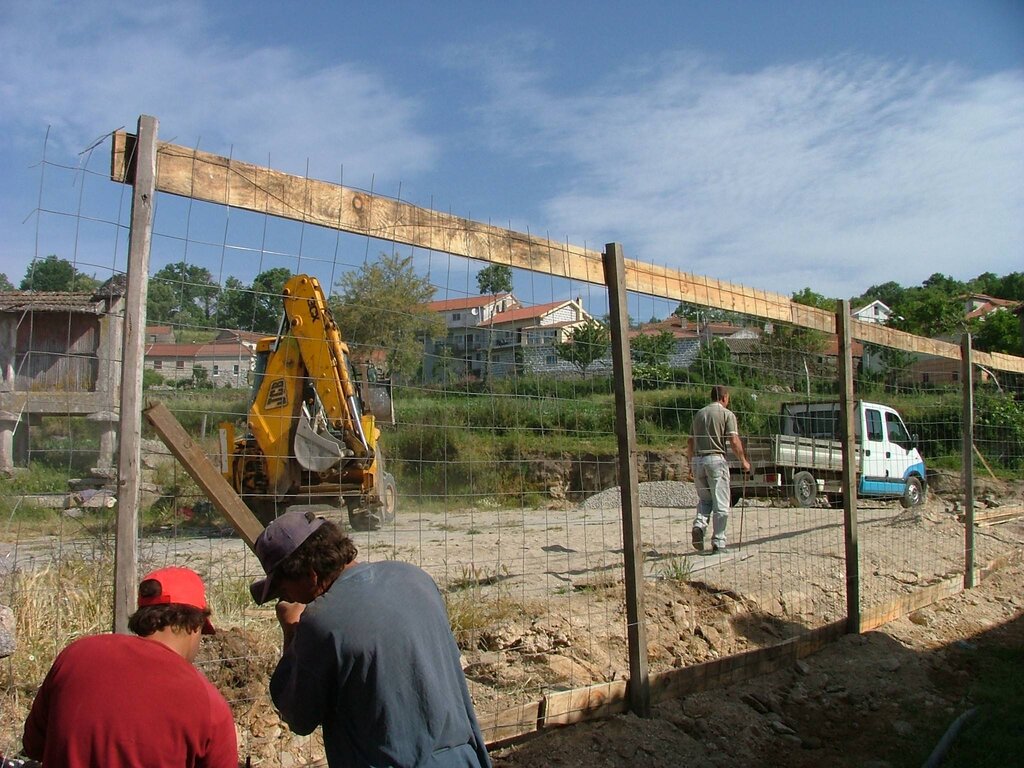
x,y
308,432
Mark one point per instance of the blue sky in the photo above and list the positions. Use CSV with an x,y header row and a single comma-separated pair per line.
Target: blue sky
x,y
777,145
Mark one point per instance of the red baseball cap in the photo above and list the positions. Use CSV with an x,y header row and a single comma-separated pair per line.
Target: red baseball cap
x,y
181,586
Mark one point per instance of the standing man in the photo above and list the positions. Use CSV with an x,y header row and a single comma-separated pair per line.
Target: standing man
x,y
368,652
714,431
117,701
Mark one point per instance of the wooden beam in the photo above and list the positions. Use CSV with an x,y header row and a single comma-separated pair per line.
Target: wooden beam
x,y
882,614
511,724
225,181
629,483
847,409
133,341
967,453
202,470
714,674
593,701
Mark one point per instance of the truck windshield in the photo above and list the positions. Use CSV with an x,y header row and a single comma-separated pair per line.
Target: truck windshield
x,y
896,431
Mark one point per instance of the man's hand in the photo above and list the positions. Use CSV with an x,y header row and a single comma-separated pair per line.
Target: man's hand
x,y
746,465
288,614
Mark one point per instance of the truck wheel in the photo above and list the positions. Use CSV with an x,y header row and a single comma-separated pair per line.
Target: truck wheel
x,y
914,493
804,491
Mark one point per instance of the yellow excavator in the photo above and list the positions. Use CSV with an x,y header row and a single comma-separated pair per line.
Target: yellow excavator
x,y
313,434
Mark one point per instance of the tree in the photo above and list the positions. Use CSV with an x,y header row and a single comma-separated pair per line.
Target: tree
x,y
383,306
182,293
999,331
652,349
888,293
714,364
928,311
650,354
809,298
253,308
586,343
56,274
494,279
5,284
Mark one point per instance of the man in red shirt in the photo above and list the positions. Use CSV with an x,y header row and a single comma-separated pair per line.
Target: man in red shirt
x,y
121,700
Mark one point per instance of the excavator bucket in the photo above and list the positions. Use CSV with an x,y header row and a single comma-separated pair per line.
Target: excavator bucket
x,y
375,392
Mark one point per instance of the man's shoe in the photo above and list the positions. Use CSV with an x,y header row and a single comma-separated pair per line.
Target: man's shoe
x,y
697,537
723,550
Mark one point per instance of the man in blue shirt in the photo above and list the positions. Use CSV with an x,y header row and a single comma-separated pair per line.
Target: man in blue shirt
x,y
368,652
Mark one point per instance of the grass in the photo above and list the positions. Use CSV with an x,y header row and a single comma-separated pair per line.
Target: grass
x,y
996,731
677,569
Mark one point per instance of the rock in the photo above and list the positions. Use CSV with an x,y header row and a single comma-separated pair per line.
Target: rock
x,y
753,701
711,635
780,727
8,629
903,728
810,742
890,665
921,618
802,666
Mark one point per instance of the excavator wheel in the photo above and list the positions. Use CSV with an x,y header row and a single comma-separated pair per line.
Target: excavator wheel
x,y
372,519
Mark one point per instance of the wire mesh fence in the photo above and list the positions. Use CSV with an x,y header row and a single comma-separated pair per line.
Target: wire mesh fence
x,y
486,395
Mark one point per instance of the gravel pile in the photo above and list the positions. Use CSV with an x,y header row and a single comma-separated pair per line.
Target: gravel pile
x,y
660,493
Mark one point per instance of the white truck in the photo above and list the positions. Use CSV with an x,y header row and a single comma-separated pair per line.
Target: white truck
x,y
805,461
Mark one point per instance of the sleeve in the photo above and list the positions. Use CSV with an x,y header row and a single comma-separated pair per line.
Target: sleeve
x,y
731,425
302,683
33,739
222,748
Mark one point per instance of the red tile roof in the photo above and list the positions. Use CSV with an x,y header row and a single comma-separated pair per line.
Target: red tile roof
x,y
524,313
469,302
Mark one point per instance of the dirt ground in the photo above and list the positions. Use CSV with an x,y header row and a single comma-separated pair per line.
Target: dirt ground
x,y
879,699
552,581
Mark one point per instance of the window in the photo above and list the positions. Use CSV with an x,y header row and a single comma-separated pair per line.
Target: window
x,y
456,315
550,360
158,365
874,421
179,365
216,369
897,432
234,369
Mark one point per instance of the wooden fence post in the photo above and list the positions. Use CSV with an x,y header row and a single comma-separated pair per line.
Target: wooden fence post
x,y
132,359
625,430
967,387
847,405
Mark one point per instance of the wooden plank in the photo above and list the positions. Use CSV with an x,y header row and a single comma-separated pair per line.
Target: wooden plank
x,y
225,181
983,462
629,482
508,725
732,669
202,470
901,606
589,703
132,355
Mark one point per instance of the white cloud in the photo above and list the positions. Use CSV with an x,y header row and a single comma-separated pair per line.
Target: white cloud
x,y
79,66
836,174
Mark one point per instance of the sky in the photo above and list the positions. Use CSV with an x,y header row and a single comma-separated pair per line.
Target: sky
x,y
780,145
